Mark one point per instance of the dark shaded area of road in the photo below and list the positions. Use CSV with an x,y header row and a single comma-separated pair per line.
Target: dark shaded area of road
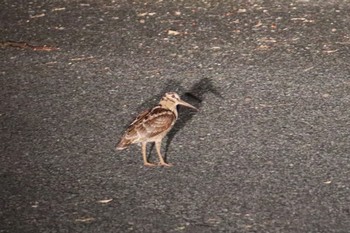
x,y
269,150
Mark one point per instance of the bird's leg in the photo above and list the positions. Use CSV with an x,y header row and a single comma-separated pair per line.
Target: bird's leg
x,y
144,155
161,160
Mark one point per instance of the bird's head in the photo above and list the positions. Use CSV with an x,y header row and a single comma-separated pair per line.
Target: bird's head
x,y
171,100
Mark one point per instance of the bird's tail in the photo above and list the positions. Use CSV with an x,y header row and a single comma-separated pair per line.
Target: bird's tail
x,y
123,144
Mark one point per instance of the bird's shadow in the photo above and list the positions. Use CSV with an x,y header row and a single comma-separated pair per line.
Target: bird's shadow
x,y
195,96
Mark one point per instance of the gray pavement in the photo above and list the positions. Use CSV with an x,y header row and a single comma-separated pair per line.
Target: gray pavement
x,y
269,150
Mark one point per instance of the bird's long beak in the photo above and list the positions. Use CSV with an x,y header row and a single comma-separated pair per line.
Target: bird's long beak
x,y
183,103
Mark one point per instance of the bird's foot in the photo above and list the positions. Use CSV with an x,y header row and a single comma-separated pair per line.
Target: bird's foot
x,y
164,164
147,164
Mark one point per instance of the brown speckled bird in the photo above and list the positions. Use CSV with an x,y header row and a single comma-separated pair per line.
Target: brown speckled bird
x,y
152,126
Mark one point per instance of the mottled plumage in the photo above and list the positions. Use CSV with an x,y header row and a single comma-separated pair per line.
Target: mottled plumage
x,y
152,125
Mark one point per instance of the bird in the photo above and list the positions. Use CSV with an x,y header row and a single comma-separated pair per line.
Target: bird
x,y
152,126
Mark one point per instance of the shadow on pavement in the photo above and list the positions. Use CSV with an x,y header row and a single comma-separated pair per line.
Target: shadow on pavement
x,y
194,96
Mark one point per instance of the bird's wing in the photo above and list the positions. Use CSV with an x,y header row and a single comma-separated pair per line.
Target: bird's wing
x,y
159,121
140,117
149,123
131,131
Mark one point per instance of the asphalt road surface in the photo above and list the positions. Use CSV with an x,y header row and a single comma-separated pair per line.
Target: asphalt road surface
x,y
268,151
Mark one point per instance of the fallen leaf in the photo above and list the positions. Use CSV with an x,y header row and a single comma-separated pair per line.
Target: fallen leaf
x,y
295,19
303,19
265,39
146,13
343,43
330,51
258,24
307,69
58,9
44,48
88,219
81,58
37,16
263,47
174,33
180,228
24,45
105,201
35,205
